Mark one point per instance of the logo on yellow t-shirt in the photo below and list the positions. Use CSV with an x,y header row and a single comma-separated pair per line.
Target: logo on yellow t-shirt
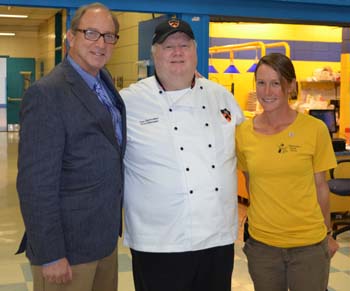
x,y
282,148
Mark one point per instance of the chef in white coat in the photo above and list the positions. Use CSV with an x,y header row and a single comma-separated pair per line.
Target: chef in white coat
x,y
180,171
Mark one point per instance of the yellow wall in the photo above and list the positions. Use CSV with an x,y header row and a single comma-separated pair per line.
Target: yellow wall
x,y
23,45
38,45
244,82
64,32
46,42
41,46
46,46
123,64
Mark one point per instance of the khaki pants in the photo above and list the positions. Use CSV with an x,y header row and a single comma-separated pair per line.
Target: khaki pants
x,y
277,269
95,276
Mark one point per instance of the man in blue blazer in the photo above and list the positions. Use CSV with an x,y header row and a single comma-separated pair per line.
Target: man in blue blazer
x,y
70,172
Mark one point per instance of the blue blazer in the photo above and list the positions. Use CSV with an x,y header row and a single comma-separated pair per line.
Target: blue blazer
x,y
70,169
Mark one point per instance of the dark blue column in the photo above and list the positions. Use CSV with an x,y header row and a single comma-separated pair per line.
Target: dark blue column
x,y
200,27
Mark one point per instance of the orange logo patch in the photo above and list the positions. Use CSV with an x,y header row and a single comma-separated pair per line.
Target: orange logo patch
x,y
174,23
226,113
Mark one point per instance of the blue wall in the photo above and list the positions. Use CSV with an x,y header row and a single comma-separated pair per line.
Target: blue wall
x,y
330,12
318,11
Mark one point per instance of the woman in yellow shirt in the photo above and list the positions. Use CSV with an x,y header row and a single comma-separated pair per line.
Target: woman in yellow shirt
x,y
284,156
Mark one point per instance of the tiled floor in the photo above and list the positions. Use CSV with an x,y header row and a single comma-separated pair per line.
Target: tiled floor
x,y
15,272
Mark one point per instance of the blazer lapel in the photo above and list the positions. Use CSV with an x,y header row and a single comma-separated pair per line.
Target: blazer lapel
x,y
89,99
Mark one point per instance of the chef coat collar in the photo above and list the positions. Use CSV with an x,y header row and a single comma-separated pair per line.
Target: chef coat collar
x,y
161,85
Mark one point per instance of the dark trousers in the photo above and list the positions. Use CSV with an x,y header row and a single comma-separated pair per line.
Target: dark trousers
x,y
203,270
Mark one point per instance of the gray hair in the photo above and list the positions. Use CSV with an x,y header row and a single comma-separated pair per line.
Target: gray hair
x,y
82,10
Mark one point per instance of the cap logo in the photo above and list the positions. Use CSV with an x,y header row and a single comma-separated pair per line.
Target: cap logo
x,y
174,23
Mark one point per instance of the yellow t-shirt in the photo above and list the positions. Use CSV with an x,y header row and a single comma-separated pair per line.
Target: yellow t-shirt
x,y
283,210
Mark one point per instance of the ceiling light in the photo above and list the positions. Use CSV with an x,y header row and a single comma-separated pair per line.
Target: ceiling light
x,y
252,68
212,69
13,16
7,34
231,69
254,65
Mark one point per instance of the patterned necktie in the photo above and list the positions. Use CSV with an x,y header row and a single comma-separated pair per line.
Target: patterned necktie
x,y
112,108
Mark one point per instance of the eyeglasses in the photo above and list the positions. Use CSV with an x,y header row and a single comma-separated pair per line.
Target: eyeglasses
x,y
94,35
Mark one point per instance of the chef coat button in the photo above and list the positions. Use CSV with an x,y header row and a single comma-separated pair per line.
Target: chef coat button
x,y
216,189
213,166
209,145
207,124
201,87
203,107
191,191
175,128
181,148
187,169
160,92
170,110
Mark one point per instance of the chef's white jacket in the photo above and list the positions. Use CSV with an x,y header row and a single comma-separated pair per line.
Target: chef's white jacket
x,y
180,167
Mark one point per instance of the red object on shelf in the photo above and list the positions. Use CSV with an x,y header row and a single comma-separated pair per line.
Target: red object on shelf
x,y
347,135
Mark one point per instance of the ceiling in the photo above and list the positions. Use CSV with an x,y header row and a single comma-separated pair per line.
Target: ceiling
x,y
36,16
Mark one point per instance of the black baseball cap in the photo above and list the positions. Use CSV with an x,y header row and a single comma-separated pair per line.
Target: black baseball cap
x,y
170,26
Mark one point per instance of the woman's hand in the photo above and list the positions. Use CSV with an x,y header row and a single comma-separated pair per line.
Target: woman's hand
x,y
333,245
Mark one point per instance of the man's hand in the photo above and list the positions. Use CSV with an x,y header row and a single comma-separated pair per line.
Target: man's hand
x,y
59,272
